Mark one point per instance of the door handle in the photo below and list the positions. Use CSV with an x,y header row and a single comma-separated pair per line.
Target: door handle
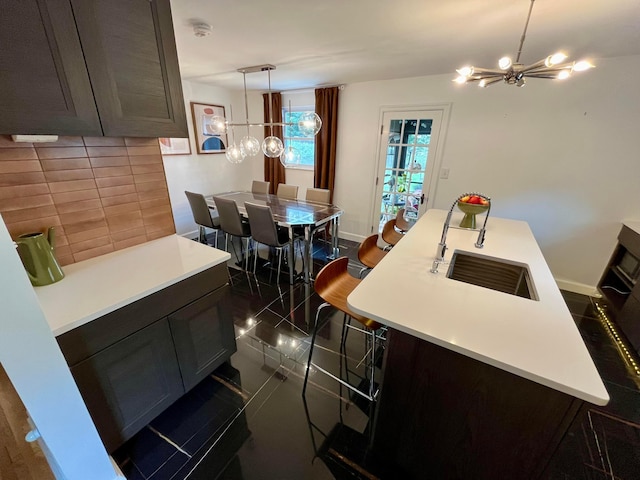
x,y
422,199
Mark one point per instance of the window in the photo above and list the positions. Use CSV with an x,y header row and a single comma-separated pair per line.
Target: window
x,y
305,145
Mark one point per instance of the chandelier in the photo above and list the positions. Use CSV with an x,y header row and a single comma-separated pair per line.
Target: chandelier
x,y
308,124
553,67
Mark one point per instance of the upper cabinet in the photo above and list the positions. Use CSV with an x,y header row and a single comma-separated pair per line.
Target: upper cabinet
x,y
90,67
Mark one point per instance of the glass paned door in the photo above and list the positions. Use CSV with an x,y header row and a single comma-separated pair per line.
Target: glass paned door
x,y
407,148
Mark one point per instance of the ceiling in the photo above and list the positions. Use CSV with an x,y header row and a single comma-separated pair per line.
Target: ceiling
x,y
330,42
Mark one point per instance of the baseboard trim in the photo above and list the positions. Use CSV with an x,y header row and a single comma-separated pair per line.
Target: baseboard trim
x,y
351,236
576,287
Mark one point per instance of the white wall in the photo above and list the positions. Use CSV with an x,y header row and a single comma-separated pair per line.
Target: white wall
x,y
562,156
34,363
210,173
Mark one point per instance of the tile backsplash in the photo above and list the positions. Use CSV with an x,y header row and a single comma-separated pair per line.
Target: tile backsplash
x,y
101,193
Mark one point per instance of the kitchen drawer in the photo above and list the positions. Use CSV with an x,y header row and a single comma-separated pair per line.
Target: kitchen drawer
x,y
89,339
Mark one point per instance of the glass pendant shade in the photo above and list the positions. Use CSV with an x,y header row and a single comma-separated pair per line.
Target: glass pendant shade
x,y
290,156
310,123
250,146
272,147
234,154
214,125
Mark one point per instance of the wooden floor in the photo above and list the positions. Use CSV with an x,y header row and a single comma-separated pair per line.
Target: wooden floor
x,y
19,460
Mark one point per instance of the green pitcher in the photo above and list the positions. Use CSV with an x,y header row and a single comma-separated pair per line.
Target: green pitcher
x,y
36,252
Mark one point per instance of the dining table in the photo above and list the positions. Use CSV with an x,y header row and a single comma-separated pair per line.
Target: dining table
x,y
293,215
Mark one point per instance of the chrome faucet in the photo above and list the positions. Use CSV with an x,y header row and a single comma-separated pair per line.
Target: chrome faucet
x,y
442,246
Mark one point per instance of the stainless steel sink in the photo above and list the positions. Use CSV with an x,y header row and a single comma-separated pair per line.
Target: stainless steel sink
x,y
493,273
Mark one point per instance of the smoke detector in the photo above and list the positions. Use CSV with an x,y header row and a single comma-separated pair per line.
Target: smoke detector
x,y
201,29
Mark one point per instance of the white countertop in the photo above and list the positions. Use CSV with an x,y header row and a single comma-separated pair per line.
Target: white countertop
x,y
100,285
537,340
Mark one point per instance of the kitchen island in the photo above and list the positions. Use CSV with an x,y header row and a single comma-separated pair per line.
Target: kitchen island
x,y
477,383
140,327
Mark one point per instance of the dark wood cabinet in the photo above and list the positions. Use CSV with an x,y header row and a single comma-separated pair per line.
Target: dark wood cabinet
x,y
133,363
130,383
469,420
44,84
620,285
203,337
90,67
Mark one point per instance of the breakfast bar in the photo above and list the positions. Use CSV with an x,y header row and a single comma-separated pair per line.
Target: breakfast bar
x,y
491,380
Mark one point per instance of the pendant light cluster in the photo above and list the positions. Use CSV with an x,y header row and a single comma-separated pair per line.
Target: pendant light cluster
x,y
272,146
552,67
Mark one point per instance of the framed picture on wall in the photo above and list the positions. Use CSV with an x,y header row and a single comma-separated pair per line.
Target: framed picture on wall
x,y
175,146
207,141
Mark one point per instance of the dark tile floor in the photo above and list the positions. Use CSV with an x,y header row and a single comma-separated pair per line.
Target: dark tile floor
x,y
248,419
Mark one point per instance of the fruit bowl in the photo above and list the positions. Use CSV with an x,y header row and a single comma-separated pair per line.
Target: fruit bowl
x,y
470,211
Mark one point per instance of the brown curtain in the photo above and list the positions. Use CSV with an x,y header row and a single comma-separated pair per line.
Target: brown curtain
x,y
326,139
274,171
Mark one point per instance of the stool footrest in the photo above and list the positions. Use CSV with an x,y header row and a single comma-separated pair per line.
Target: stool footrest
x,y
348,385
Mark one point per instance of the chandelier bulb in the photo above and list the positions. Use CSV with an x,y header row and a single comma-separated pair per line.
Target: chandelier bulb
x,y
460,79
249,146
564,74
555,59
214,125
465,71
582,65
290,156
272,147
234,154
310,123
504,63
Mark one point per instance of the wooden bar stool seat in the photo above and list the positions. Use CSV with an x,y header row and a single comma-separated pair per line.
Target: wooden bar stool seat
x,y
369,253
389,233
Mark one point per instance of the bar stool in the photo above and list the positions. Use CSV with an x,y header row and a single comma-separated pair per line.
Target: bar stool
x,y
389,233
334,284
401,222
369,253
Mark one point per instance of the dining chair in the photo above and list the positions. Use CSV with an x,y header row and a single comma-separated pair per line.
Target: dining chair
x,y
260,187
203,217
287,191
231,223
265,231
318,195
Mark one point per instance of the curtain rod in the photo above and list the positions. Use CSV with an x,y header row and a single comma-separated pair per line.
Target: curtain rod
x,y
311,89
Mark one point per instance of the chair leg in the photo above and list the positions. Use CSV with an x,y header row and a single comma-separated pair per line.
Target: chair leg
x,y
279,263
255,258
246,254
226,242
313,341
215,240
